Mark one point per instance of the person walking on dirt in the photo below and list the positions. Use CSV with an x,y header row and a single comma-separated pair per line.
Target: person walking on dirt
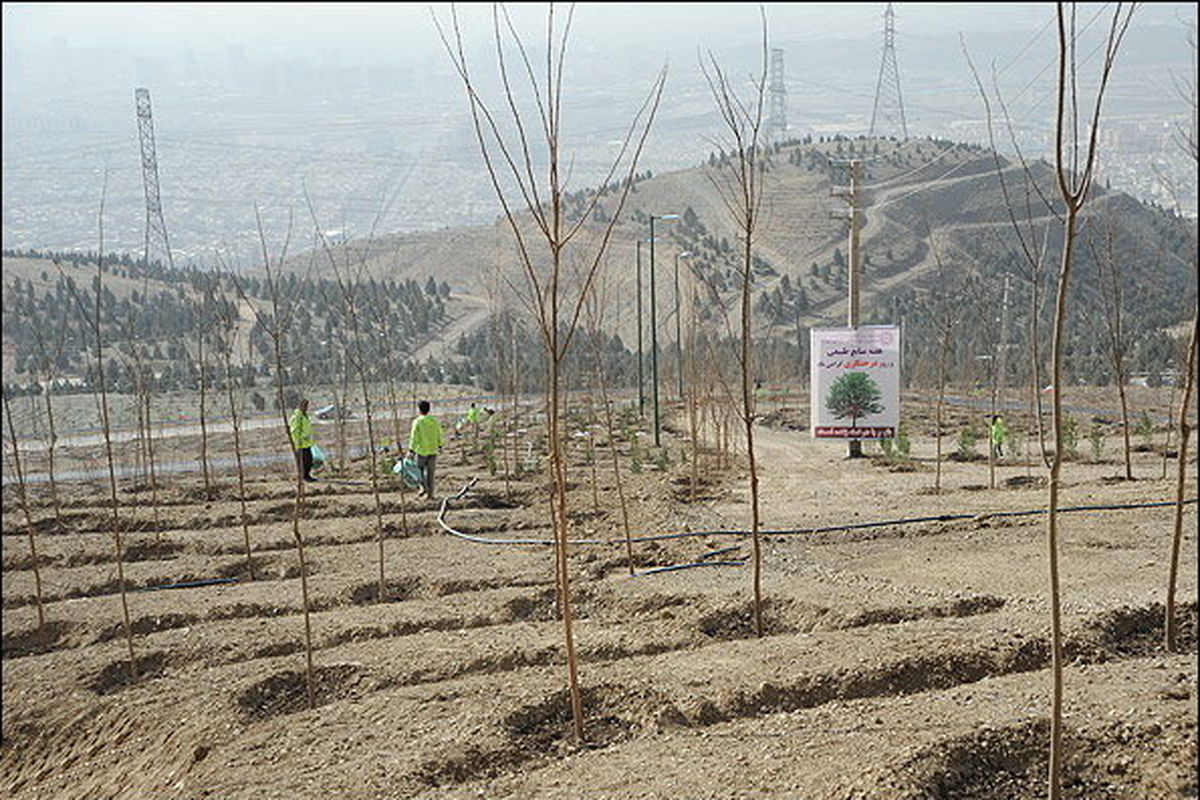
x,y
424,441
473,419
999,435
300,428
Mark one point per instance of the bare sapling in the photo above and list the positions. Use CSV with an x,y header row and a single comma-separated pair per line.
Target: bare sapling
x,y
504,372
695,378
348,290
740,188
201,334
142,373
947,308
394,401
1025,231
342,401
1185,430
595,309
225,340
145,386
514,389
276,325
93,319
542,208
1074,173
22,493
143,395
48,360
1109,268
1187,139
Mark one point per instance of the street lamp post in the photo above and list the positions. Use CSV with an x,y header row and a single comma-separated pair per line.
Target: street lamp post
x,y
654,327
678,324
641,391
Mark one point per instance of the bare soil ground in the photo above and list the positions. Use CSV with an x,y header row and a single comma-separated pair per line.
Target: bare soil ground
x,y
900,659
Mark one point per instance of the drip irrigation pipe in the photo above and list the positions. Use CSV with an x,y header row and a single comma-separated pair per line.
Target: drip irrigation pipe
x,y
675,567
723,550
187,584
790,531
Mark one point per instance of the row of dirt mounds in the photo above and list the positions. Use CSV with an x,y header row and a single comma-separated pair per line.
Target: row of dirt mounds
x,y
272,569
961,768
287,692
1011,763
35,641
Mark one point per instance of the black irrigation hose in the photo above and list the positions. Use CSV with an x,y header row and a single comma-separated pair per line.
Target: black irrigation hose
x,y
675,567
187,584
791,531
719,552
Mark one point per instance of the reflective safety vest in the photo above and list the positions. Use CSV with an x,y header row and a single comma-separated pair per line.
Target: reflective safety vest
x,y
301,430
426,435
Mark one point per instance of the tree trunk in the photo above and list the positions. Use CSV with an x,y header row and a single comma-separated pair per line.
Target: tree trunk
x,y
1056,666
1181,484
237,454
204,420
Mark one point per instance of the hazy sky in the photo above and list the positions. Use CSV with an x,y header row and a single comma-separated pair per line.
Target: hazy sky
x,y
398,28
250,98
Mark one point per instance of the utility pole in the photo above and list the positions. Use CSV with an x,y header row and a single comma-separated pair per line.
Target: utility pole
x,y
654,327
1002,356
854,267
998,363
641,390
679,324
653,337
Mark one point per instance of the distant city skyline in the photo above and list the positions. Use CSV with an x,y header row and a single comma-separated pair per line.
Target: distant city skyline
x,y
358,102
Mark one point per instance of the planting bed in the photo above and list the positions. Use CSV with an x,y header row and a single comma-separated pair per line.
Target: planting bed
x,y
900,660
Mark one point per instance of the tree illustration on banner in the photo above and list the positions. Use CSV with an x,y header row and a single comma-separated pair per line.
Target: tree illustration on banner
x,y
854,395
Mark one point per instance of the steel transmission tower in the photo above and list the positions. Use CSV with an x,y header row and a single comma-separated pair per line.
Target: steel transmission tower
x,y
777,120
889,105
155,226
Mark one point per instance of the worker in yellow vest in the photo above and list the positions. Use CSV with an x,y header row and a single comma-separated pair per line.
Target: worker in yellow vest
x,y
424,441
473,418
301,430
999,433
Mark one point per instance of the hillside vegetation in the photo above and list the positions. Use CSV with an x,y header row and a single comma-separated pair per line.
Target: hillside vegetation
x,y
937,235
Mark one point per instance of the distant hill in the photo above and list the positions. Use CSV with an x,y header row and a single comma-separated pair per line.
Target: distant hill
x,y
914,193
162,321
937,241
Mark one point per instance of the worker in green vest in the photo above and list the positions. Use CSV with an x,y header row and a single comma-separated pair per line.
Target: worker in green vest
x,y
424,441
999,435
300,428
473,418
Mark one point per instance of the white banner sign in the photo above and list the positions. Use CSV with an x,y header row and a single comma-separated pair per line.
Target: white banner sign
x,y
855,382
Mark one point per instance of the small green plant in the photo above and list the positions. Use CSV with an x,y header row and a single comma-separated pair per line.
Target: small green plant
x,y
968,439
1096,439
1070,437
1144,429
1017,442
896,449
662,459
635,461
